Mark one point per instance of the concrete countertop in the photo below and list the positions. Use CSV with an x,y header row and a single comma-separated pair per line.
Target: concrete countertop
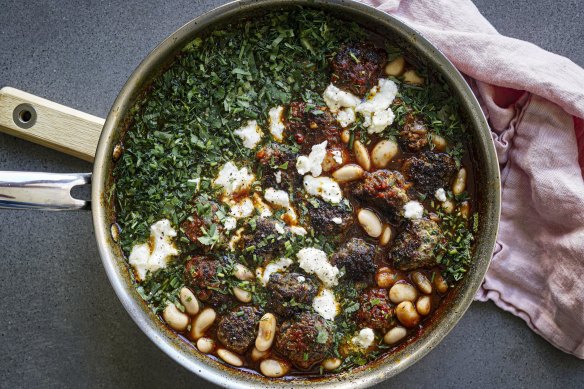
x,y
61,324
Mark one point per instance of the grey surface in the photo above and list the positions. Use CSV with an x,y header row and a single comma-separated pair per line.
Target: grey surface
x,y
61,324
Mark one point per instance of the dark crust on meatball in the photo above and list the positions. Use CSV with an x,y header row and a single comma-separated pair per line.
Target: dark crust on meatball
x,y
201,276
375,309
322,215
193,226
297,339
386,190
414,247
271,157
237,330
430,171
358,259
288,295
357,67
267,241
312,125
414,134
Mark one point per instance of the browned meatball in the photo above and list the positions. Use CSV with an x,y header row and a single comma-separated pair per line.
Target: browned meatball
x,y
414,134
386,190
305,339
415,246
357,67
325,217
193,226
311,125
430,171
357,257
201,276
267,242
273,158
375,309
237,330
290,293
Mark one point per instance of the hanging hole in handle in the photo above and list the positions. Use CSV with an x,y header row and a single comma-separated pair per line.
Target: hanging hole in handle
x,y
24,116
81,192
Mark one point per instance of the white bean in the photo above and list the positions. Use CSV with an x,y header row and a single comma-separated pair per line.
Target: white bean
x,y
383,153
440,284
230,357
266,332
395,67
459,184
395,335
464,209
345,136
411,77
177,320
422,282
202,322
331,363
448,206
190,302
273,368
402,291
385,236
423,305
385,277
242,273
242,295
370,222
362,155
407,314
256,354
439,142
205,345
348,173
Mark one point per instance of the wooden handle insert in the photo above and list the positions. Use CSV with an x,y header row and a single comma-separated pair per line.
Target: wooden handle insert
x,y
49,124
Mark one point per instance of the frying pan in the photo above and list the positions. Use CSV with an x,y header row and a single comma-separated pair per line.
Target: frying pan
x,y
78,134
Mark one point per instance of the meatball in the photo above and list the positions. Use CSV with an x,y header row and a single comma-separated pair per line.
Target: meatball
x,y
289,291
329,218
311,125
205,216
430,171
386,190
272,157
237,330
265,238
414,134
357,67
305,339
357,257
415,246
201,276
375,309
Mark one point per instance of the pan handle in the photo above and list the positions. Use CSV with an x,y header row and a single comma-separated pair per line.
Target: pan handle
x,y
49,124
46,191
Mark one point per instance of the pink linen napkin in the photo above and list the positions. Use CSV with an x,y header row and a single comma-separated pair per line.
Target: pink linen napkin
x,y
534,101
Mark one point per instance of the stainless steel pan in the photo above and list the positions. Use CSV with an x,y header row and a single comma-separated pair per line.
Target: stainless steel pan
x,y
27,116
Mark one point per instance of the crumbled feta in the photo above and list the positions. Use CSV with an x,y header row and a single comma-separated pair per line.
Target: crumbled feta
x,y
156,253
337,220
338,156
346,116
324,187
242,209
325,304
279,228
250,134
440,194
413,210
273,267
375,110
232,179
290,217
298,230
278,176
276,125
278,198
314,261
313,162
262,208
301,279
230,223
364,339
235,238
336,98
